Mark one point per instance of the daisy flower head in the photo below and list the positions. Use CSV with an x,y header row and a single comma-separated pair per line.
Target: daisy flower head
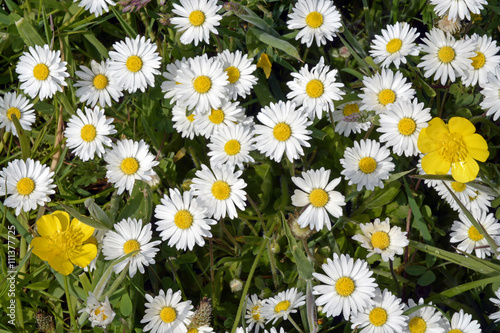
x,y
26,184
485,61
202,83
315,90
196,19
100,313
232,145
283,130
134,63
451,26
469,238
454,145
221,190
213,120
446,58
383,315
166,313
367,164
475,198
282,305
239,69
462,322
169,86
182,220
274,330
491,93
379,237
395,43
496,315
184,122
97,85
96,6
87,133
457,10
130,235
316,19
349,119
401,124
426,319
348,286
316,192
16,105
383,89
41,72
253,316
128,160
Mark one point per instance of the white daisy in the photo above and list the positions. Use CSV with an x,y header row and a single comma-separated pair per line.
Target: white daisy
x,y
379,237
166,313
130,235
401,124
462,322
182,220
446,57
383,89
396,42
202,83
496,315
316,19
426,319
282,305
274,330
96,6
491,93
367,164
458,9
212,121
169,86
16,105
451,26
135,63
127,161
383,315
196,19
100,313
485,61
200,329
239,69
26,184
221,189
349,119
316,192
253,316
41,72
184,123
232,145
474,198
97,85
284,130
87,133
348,286
472,239
315,90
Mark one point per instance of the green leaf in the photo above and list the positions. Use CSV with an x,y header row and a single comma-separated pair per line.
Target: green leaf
x,y
41,285
23,138
28,33
139,205
426,279
418,220
97,213
126,305
429,91
452,292
84,219
382,197
353,72
304,267
128,29
415,270
97,44
276,42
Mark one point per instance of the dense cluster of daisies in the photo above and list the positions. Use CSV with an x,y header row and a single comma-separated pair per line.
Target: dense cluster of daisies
x,y
205,93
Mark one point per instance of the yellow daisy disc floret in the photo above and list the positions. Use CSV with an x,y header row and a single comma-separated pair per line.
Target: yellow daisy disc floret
x,y
454,145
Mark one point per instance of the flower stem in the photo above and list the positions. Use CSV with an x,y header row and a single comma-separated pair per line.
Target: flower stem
x,y
295,324
70,305
398,288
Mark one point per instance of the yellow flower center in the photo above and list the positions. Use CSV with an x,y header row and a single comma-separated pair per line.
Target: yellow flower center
x,y
446,54
394,45
216,116
134,64
221,190
314,19
232,147
25,186
367,164
478,61
474,234
129,166
101,81
190,117
458,187
88,133
474,197
183,219
417,325
407,126
344,286
380,239
314,88
386,96
455,331
378,317
233,74
168,314
41,72
453,148
202,84
131,245
282,132
318,197
282,306
196,18
350,109
13,111
98,311
192,330
256,316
